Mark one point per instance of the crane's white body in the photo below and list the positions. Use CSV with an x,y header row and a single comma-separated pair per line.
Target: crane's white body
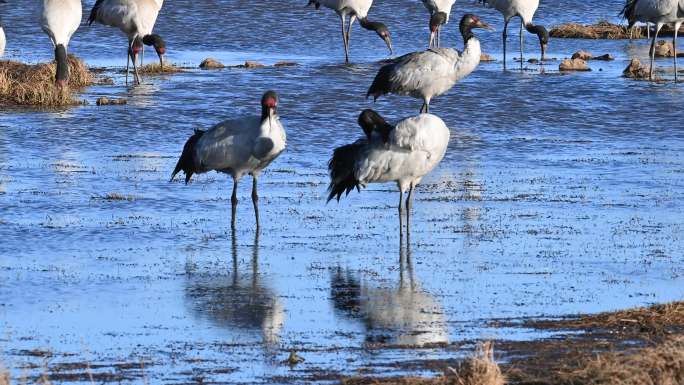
x,y
424,75
416,145
135,18
525,9
59,19
235,146
434,6
3,41
358,8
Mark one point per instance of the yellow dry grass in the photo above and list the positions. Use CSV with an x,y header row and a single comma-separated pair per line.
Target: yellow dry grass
x,y
155,69
4,376
659,365
33,85
600,30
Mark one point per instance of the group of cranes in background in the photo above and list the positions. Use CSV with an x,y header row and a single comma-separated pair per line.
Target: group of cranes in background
x,y
404,152
60,19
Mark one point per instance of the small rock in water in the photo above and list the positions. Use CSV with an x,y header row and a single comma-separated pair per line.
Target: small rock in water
x,y
584,55
486,58
285,64
533,60
210,63
105,101
606,57
635,70
252,64
664,49
294,359
574,65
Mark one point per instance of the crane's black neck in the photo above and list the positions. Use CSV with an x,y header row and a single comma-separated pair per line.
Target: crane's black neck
x,y
370,25
538,30
62,73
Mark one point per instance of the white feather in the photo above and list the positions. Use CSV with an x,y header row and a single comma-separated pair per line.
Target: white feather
x,y
525,9
2,41
133,17
349,7
60,19
416,145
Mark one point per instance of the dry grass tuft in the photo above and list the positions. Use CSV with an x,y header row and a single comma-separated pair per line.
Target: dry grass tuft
x,y
155,69
600,30
33,85
654,320
480,369
114,196
659,365
4,376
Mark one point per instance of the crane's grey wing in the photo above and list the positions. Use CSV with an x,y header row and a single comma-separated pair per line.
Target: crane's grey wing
x,y
262,147
421,69
227,144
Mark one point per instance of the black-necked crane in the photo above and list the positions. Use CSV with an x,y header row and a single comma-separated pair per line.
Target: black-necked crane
x,y
426,74
59,20
440,11
3,40
355,9
660,13
525,10
135,18
403,153
238,146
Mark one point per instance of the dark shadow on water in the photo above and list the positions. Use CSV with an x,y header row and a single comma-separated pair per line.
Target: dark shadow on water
x,y
400,315
236,301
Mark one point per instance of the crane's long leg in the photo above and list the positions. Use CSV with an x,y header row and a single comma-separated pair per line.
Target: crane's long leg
x,y
409,208
674,47
648,30
129,51
344,38
255,201
505,37
653,41
522,43
401,214
233,203
352,19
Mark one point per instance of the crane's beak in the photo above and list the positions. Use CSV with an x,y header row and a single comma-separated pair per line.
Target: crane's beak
x,y
544,47
483,25
271,115
433,35
388,41
161,62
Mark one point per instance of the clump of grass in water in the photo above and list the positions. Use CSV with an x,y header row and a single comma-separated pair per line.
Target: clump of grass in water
x,y
115,197
480,369
600,30
155,69
34,85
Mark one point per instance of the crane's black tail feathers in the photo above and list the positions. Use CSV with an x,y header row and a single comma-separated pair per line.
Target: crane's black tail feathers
x,y
93,12
381,83
628,11
342,167
186,162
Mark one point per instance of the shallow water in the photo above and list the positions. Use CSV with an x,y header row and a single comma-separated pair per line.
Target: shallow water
x,y
558,194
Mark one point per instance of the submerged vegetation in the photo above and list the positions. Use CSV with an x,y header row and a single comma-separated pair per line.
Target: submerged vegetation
x,y
34,84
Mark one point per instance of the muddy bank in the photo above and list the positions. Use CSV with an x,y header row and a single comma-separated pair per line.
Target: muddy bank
x,y
634,346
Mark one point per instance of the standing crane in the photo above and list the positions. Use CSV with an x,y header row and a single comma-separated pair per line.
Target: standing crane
x,y
136,19
239,146
426,74
3,41
403,153
59,20
525,10
660,13
355,9
440,11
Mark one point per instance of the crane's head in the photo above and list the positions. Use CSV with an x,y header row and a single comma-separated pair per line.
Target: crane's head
x,y
269,105
384,34
159,46
370,121
470,21
436,22
135,49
